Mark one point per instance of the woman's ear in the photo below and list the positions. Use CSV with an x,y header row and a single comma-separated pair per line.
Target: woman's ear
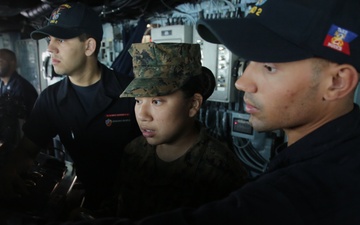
x,y
90,46
344,81
195,104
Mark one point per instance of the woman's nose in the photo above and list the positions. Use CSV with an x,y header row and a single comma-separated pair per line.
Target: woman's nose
x,y
142,112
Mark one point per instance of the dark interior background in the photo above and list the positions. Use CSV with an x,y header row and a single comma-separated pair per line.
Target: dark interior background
x,y
26,15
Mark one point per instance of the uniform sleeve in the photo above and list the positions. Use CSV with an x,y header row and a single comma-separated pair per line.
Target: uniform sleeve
x,y
38,127
30,95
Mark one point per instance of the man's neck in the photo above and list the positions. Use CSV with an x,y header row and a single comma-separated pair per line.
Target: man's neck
x,y
87,77
5,80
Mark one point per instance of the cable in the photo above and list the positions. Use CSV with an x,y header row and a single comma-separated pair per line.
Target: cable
x,y
239,151
249,155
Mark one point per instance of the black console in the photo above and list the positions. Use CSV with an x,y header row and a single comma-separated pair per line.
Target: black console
x,y
49,183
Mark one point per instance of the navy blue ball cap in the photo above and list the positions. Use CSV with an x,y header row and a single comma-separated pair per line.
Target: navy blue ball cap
x,y
290,30
71,20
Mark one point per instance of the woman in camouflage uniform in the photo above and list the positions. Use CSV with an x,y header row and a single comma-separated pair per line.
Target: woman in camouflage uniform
x,y
175,162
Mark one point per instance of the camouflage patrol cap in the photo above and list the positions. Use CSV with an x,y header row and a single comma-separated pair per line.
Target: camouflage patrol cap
x,y
162,68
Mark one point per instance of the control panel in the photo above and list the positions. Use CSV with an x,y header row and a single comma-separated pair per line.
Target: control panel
x,y
172,33
221,62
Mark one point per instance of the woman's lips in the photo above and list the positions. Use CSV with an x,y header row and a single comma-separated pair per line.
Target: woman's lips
x,y
148,133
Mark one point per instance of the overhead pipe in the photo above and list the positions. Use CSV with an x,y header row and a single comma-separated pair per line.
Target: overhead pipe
x,y
38,11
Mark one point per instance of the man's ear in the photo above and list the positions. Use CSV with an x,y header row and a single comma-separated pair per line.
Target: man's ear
x,y
90,46
344,80
196,103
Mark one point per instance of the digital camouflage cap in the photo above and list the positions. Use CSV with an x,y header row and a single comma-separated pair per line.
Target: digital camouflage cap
x,y
162,68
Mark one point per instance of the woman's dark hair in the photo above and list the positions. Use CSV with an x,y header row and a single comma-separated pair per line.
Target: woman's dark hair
x,y
203,84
